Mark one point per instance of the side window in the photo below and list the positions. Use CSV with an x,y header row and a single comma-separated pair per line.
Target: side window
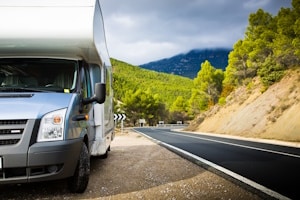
x,y
108,82
85,83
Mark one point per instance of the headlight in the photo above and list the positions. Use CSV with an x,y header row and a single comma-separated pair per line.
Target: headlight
x,y
52,126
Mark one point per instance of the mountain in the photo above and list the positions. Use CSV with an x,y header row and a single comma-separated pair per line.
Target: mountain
x,y
188,64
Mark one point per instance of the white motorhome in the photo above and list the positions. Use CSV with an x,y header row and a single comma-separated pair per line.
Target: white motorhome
x,y
56,96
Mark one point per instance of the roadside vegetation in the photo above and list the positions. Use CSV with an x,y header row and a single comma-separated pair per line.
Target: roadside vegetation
x,y
269,49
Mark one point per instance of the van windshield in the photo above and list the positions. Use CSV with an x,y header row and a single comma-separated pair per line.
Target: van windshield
x,y
38,75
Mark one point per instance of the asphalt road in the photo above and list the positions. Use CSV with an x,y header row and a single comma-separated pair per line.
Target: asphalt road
x,y
273,168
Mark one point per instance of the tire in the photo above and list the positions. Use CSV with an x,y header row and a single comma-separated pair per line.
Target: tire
x,y
104,156
79,181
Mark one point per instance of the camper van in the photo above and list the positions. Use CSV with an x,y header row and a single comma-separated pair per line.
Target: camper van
x,y
56,97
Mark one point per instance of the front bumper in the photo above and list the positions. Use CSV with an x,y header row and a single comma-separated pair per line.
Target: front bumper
x,y
44,161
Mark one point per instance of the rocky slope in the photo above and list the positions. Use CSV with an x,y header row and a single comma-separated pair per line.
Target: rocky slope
x,y
249,112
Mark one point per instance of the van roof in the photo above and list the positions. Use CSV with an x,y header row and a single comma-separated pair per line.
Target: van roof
x,y
71,29
47,3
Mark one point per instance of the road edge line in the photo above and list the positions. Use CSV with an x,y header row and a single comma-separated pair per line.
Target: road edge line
x,y
238,179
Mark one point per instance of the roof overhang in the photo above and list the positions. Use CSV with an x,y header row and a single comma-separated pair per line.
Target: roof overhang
x,y
71,29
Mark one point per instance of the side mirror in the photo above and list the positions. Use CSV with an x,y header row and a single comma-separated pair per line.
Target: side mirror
x,y
99,96
100,92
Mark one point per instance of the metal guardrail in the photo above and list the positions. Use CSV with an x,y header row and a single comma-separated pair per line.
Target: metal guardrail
x,y
171,125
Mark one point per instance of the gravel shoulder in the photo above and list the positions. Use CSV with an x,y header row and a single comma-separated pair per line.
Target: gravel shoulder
x,y
138,168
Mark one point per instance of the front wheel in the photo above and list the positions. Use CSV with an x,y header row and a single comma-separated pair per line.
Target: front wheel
x,y
79,181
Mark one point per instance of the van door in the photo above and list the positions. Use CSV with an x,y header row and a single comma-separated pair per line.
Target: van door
x,y
99,145
108,105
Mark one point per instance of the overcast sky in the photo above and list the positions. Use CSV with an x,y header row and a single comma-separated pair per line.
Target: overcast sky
x,y
141,31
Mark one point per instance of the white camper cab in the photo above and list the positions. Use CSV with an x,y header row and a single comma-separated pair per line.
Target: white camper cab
x,y
56,96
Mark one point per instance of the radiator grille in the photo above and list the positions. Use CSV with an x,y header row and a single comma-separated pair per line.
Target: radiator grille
x,y
11,131
7,122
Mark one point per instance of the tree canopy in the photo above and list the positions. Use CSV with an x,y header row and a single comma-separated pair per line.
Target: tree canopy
x,y
207,88
271,45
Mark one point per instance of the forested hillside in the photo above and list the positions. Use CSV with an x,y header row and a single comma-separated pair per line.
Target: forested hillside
x,y
147,94
168,87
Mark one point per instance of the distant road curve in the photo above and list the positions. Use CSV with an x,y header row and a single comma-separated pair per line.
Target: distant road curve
x,y
272,169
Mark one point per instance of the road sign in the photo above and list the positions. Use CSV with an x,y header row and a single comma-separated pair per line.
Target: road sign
x,y
142,121
119,117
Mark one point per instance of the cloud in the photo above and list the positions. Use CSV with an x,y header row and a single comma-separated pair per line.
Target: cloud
x,y
140,31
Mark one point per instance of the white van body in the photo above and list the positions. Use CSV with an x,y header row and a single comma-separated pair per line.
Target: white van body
x,y
56,96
